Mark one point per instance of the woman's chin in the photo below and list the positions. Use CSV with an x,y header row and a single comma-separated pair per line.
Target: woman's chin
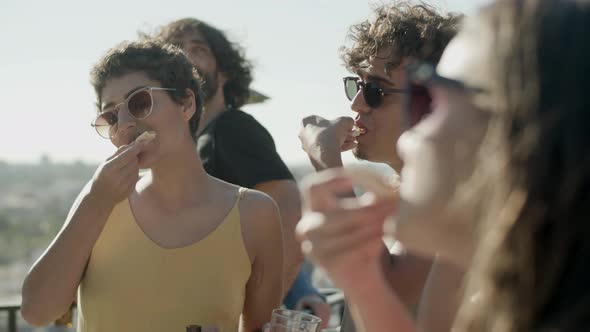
x,y
432,234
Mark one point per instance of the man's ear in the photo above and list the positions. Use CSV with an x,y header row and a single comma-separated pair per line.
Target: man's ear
x,y
189,105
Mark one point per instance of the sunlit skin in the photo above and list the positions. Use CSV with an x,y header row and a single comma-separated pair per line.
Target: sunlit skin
x,y
324,140
439,155
383,124
168,120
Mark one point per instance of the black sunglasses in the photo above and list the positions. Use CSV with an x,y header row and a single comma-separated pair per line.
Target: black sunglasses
x,y
419,99
372,92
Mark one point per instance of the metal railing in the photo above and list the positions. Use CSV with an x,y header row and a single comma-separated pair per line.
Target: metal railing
x,y
334,298
12,307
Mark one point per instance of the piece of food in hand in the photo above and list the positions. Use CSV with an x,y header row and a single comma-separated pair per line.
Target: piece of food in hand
x,y
357,131
146,136
371,181
380,186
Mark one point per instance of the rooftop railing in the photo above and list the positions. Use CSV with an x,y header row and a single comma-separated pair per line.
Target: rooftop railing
x,y
334,297
12,307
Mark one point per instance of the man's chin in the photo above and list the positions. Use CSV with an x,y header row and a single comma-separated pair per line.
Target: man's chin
x,y
209,91
372,156
359,154
208,84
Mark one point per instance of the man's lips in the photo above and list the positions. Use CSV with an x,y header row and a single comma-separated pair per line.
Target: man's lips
x,y
362,129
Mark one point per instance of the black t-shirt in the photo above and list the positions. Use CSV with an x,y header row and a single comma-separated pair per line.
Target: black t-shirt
x,y
237,149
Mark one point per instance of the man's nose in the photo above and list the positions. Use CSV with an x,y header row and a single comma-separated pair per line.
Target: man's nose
x,y
359,104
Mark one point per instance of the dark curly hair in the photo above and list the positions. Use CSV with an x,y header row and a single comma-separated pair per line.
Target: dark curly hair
x,y
416,31
166,64
228,55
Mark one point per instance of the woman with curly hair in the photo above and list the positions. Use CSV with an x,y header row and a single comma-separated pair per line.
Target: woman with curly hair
x,y
172,248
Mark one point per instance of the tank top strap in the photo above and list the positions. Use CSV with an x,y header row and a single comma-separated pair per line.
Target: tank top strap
x,y
241,192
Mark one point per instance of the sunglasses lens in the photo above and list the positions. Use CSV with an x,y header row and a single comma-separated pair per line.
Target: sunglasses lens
x,y
105,124
351,88
140,104
372,95
420,102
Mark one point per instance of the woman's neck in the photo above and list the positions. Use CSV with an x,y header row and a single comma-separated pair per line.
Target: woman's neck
x,y
177,181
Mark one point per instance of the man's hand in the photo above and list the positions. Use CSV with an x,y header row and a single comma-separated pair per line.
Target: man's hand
x,y
324,140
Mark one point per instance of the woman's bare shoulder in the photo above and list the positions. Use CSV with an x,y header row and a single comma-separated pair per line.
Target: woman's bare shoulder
x,y
260,220
256,207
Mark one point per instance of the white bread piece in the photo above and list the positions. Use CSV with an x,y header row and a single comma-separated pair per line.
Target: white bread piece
x,y
381,186
146,136
372,181
357,131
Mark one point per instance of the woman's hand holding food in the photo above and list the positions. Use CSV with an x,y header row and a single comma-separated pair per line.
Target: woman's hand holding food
x,y
344,235
115,178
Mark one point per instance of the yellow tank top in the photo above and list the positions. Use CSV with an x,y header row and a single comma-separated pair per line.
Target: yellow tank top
x,y
133,284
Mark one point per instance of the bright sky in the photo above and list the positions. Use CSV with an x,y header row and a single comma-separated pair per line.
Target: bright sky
x,y
50,46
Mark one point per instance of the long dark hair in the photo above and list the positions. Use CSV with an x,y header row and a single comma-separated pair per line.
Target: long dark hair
x,y
532,267
229,56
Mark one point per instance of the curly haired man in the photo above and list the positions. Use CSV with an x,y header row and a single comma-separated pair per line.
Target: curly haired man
x,y
235,147
380,50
